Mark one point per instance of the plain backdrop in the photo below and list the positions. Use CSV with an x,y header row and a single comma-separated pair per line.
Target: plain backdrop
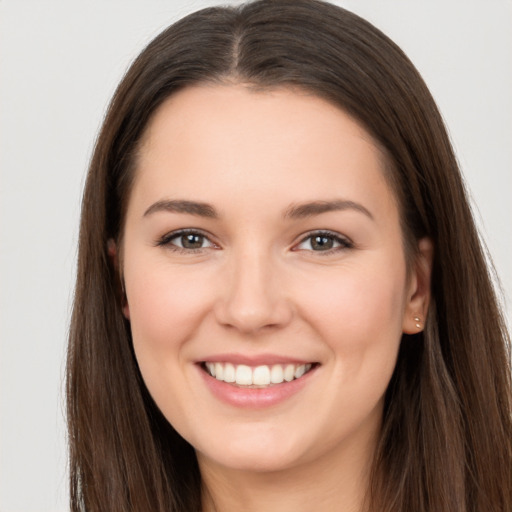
x,y
59,64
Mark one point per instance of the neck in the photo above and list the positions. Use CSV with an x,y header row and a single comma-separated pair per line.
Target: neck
x,y
336,481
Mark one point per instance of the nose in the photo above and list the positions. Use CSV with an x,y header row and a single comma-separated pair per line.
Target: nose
x,y
253,295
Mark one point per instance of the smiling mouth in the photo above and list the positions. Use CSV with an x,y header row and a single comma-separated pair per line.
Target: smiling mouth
x,y
262,376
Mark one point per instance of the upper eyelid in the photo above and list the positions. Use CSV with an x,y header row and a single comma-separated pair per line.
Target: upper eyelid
x,y
325,232
186,231
166,238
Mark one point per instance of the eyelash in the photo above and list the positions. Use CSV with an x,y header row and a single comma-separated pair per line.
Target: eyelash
x,y
344,243
166,241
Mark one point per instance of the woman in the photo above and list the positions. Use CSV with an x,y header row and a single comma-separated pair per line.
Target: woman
x,y
282,302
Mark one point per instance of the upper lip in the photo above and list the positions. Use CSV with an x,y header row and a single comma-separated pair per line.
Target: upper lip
x,y
254,360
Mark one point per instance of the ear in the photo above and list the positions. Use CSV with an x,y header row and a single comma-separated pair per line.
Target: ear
x,y
114,258
419,289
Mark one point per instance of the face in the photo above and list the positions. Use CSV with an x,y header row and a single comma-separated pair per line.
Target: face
x,y
265,276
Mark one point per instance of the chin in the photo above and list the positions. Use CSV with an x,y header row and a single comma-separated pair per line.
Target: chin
x,y
254,461
266,452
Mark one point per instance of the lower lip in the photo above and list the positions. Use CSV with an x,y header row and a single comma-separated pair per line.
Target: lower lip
x,y
255,398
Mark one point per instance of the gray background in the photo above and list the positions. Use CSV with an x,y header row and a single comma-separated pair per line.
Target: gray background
x,y
59,64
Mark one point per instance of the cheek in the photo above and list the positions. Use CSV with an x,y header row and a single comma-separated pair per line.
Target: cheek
x,y
358,313
358,298
166,309
359,317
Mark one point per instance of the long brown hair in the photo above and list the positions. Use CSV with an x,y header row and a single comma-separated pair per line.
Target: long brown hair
x,y
446,437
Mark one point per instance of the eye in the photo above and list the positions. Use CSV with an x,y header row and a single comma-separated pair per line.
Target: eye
x,y
324,241
186,241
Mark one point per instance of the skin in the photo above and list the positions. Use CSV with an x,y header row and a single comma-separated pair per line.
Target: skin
x,y
258,286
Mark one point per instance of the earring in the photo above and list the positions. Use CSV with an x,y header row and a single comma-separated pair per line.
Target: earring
x,y
417,319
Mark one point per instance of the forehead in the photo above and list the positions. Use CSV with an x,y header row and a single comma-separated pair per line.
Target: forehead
x,y
217,141
214,110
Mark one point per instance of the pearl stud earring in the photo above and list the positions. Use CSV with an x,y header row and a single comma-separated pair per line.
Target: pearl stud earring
x,y
417,319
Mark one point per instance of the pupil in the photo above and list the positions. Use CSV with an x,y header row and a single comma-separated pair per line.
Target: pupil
x,y
192,241
322,243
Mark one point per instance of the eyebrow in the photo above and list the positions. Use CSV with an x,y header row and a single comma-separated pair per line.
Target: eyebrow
x,y
294,211
303,210
182,206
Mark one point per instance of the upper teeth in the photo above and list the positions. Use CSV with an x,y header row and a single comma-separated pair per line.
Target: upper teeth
x,y
264,375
